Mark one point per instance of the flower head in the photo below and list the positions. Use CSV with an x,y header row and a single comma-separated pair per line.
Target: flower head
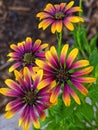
x,y
58,15
25,53
26,97
65,72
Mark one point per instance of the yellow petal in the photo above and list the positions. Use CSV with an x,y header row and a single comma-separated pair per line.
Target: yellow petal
x,y
75,19
49,8
55,94
26,72
69,5
43,15
36,124
28,39
53,84
10,59
43,83
40,63
76,98
80,63
71,57
69,25
59,26
4,91
53,27
45,23
17,74
64,53
66,99
39,75
9,114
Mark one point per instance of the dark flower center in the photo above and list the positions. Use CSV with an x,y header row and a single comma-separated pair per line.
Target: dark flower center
x,y
30,97
62,75
28,58
59,15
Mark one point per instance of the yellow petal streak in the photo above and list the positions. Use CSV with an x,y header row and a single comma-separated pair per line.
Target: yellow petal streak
x,y
53,27
49,7
59,26
4,91
36,124
43,116
55,94
43,15
66,99
53,84
69,25
43,84
40,63
75,19
17,74
39,75
72,55
80,63
54,52
64,53
76,98
69,5
9,114
85,71
44,24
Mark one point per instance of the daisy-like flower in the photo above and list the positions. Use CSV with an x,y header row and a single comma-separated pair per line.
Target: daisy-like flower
x,y
66,73
59,15
30,101
25,53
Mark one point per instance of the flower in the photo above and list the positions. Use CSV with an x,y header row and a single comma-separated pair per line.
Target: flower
x,y
25,53
58,15
27,99
66,73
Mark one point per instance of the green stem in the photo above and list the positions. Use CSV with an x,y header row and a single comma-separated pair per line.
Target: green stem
x,y
78,33
81,25
80,46
59,37
80,5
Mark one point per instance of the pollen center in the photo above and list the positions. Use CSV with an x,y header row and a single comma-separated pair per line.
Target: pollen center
x,y
59,15
28,58
62,75
30,97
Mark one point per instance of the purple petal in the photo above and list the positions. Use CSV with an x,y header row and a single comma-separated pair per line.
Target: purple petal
x,y
13,93
42,106
45,99
43,91
28,44
40,55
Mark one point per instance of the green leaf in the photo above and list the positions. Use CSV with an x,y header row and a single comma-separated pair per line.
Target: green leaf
x,y
94,57
93,42
93,93
96,73
85,112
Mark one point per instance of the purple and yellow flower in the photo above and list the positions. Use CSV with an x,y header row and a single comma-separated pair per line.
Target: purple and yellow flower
x,y
27,98
25,53
66,73
59,15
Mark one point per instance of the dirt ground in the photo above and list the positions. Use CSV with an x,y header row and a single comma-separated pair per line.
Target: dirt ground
x,y
18,20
